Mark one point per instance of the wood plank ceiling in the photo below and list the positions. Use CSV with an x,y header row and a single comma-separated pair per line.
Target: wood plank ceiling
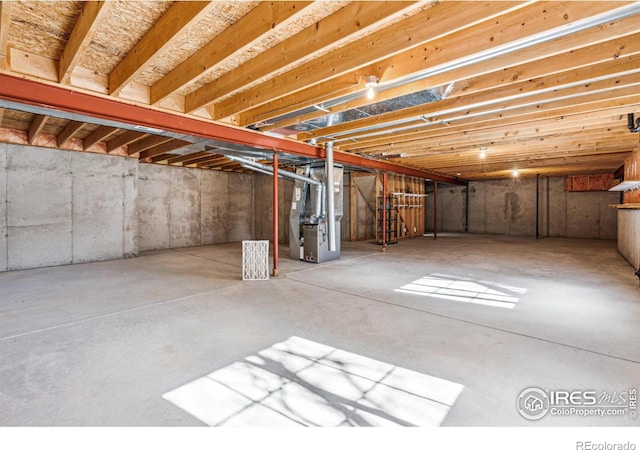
x,y
466,89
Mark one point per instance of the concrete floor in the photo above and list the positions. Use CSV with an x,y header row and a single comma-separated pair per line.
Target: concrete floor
x,y
101,343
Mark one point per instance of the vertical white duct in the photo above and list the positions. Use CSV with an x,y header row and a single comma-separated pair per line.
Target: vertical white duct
x,y
330,192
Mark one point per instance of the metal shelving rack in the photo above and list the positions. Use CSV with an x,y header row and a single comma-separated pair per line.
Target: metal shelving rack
x,y
391,216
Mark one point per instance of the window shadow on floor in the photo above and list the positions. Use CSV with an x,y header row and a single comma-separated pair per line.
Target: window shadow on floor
x,y
299,382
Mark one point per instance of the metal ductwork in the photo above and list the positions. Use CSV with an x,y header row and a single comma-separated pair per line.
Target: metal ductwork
x,y
263,168
330,189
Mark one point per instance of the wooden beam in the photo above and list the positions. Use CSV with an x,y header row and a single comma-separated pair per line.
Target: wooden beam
x,y
83,31
241,35
146,143
508,126
163,148
440,19
457,124
125,138
353,18
547,161
523,93
522,150
69,131
408,63
1,116
99,134
5,23
576,59
167,30
196,161
489,138
36,127
217,160
181,158
162,157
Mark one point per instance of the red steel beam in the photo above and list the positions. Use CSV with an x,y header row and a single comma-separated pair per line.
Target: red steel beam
x,y
60,98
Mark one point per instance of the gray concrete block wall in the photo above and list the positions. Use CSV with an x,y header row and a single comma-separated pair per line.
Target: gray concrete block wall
x,y
3,207
509,207
64,207
629,235
263,217
183,207
452,200
39,208
214,225
153,207
97,207
240,206
557,201
130,242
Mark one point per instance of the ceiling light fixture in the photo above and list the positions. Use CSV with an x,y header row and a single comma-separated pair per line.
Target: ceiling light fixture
x,y
483,153
371,82
515,173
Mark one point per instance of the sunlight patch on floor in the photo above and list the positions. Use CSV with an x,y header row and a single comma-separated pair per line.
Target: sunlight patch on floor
x,y
299,382
458,289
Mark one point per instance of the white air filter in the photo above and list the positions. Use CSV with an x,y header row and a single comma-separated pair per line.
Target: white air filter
x,y
255,260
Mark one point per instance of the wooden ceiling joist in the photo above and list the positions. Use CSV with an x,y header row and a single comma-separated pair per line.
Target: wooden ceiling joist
x,y
262,19
146,143
191,156
411,63
505,98
442,18
614,117
499,119
353,18
215,160
126,138
69,131
5,22
36,128
102,133
163,148
161,158
83,31
582,58
201,159
171,26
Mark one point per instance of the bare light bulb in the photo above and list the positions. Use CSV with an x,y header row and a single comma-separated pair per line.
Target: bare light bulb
x,y
371,83
515,173
371,93
483,153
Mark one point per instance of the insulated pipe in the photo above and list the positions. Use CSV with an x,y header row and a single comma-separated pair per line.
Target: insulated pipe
x,y
329,191
321,205
255,169
275,214
252,164
331,201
